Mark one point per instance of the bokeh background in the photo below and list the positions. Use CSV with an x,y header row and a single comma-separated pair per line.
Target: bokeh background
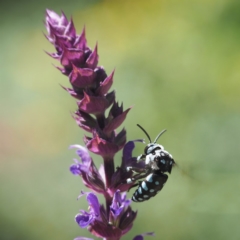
x,y
177,63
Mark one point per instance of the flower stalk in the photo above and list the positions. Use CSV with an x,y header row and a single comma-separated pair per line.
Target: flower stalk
x,y
90,86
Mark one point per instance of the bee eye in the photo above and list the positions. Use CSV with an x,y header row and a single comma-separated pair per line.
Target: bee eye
x,y
146,150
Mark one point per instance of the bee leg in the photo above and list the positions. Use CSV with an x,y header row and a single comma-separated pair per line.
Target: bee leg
x,y
140,175
144,173
135,169
141,157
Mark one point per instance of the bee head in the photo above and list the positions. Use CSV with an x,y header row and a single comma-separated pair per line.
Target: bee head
x,y
152,147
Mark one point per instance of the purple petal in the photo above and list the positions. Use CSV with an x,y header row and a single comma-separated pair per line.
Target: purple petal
x,y
83,220
71,56
101,147
82,153
82,77
127,152
125,200
75,169
128,148
55,24
85,121
61,41
55,19
105,85
116,121
92,60
70,30
53,55
92,104
81,41
78,168
119,203
93,203
141,236
90,176
73,93
116,206
52,16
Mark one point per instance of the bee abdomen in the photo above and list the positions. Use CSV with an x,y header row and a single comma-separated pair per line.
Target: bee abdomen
x,y
148,188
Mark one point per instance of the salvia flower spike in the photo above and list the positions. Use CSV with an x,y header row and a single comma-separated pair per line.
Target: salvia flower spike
x,y
90,86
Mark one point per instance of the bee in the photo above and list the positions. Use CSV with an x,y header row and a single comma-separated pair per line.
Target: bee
x,y
157,162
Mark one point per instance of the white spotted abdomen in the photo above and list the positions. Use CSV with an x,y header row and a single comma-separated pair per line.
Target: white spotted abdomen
x,y
148,188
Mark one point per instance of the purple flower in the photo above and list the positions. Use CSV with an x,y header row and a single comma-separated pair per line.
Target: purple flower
x,y
84,218
107,149
119,203
119,179
97,221
87,170
90,86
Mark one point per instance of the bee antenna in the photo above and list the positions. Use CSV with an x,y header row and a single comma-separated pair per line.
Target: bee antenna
x,y
158,136
144,132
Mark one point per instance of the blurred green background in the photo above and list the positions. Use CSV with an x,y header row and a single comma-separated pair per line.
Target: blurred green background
x,y
177,63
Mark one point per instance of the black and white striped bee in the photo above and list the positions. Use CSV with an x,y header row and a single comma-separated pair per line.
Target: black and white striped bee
x,y
157,162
